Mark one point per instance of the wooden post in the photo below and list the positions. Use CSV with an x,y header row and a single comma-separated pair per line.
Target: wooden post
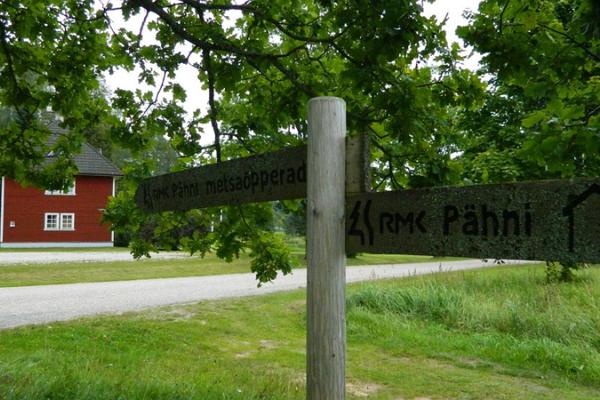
x,y
358,177
326,319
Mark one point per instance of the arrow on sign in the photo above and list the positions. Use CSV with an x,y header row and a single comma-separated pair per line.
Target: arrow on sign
x,y
569,211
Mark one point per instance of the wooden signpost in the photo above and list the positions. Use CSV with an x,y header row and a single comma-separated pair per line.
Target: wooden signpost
x,y
325,250
280,175
548,220
316,171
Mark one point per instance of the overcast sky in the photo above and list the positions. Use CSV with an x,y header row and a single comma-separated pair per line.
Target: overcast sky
x,y
198,98
454,9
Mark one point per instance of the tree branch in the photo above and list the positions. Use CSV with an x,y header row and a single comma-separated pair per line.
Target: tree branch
x,y
203,44
500,24
572,40
211,101
142,25
10,66
198,6
294,79
156,95
247,7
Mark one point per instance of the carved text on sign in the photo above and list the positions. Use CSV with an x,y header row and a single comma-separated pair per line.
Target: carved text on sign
x,y
273,176
538,220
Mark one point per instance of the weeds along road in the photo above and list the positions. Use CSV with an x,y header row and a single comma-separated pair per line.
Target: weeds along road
x,y
43,304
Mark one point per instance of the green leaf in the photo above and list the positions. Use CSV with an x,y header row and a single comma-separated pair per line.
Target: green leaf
x,y
550,144
533,119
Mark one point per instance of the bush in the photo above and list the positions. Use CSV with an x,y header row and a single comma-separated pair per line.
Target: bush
x,y
122,239
562,271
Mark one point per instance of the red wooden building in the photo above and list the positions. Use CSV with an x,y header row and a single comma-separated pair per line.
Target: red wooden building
x,y
31,217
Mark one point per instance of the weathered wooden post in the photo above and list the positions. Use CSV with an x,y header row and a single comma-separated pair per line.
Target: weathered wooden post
x,y
326,321
546,220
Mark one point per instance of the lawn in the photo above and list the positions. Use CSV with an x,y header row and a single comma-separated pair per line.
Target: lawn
x,y
500,333
59,273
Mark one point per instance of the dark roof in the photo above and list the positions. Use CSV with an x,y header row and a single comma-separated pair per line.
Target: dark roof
x,y
49,119
89,161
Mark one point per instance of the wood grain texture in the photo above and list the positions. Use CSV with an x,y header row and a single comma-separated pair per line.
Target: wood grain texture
x,y
545,220
358,178
279,175
326,324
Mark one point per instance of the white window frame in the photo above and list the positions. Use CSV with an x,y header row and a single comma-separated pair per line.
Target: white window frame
x,y
60,225
69,192
48,228
62,221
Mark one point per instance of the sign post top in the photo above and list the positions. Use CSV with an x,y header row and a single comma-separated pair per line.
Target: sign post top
x,y
326,99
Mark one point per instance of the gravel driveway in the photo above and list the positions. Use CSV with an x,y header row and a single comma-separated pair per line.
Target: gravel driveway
x,y
44,304
49,257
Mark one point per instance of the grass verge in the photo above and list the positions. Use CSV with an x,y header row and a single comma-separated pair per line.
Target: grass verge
x,y
60,273
494,334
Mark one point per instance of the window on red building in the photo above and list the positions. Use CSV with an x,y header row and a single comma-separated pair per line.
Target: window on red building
x,y
51,222
67,222
59,222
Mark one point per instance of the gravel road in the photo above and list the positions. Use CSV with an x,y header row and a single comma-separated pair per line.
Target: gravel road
x,y
43,304
50,257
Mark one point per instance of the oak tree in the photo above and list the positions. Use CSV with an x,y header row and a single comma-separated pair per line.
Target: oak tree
x,y
259,62
543,61
541,118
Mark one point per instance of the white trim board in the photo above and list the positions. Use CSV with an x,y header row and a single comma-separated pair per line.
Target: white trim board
x,y
2,211
112,231
24,245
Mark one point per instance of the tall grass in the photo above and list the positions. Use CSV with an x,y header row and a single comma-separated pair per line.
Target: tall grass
x,y
556,324
495,334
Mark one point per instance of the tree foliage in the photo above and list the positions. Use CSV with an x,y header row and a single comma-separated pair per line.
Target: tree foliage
x,y
543,110
541,117
259,61
51,56
429,121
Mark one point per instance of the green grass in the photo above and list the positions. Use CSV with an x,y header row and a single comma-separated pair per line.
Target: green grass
x,y
377,259
298,246
551,329
501,333
59,273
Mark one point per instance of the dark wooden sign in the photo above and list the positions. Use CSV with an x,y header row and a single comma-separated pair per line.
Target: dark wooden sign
x,y
278,175
546,220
